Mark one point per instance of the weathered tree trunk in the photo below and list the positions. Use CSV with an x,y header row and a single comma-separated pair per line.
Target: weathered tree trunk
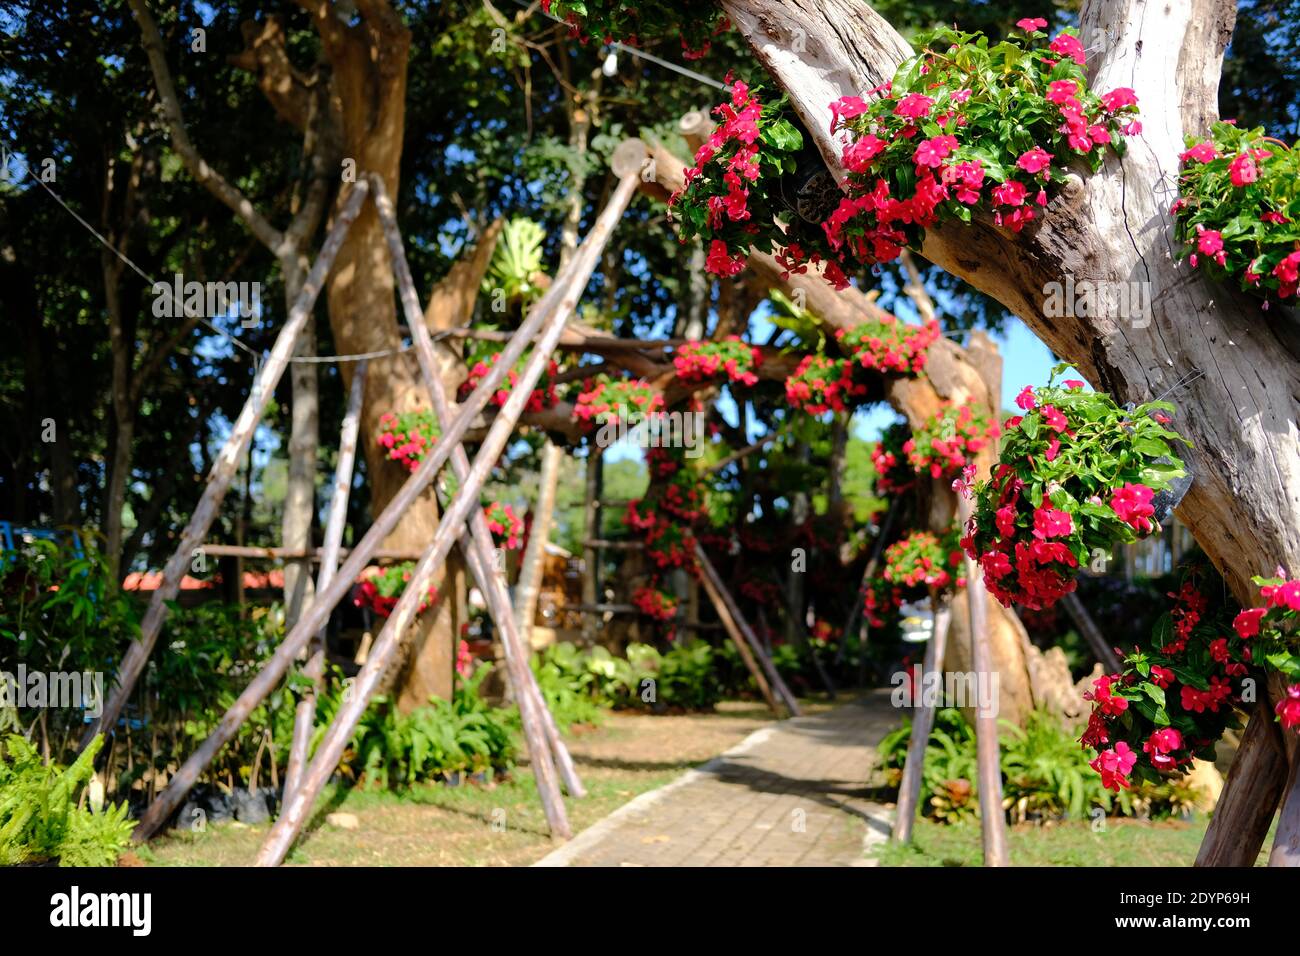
x,y
1240,413
304,438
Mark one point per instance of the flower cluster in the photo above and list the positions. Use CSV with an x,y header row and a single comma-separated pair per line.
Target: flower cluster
x,y
607,400
760,591
1237,211
966,125
732,196
888,457
670,545
949,440
963,126
542,396
507,527
885,344
1171,702
922,560
382,591
655,602
605,21
1274,631
1077,475
881,602
703,361
407,436
820,384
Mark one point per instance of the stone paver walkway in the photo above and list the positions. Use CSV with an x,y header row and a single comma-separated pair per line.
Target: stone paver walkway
x,y
792,794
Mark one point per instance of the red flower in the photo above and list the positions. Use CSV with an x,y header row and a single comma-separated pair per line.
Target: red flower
x,y
1118,98
1051,523
1247,622
1133,505
1035,160
1062,91
1160,745
1030,24
1201,153
1288,708
1026,399
914,106
1114,765
1068,45
1243,170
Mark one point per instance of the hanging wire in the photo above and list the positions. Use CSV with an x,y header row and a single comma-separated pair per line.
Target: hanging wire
x,y
252,352
633,51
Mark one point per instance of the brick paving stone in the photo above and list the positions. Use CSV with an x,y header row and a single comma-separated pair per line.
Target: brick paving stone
x,y
740,808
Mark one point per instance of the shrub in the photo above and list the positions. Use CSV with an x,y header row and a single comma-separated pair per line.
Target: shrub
x,y
464,734
40,818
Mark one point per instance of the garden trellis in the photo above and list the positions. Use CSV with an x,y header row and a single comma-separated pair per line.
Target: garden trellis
x,y
543,740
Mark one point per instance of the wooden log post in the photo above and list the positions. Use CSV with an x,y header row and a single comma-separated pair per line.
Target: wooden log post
x,y
305,713
742,647
542,735
735,621
224,469
909,790
1091,633
294,814
993,821
1250,795
279,663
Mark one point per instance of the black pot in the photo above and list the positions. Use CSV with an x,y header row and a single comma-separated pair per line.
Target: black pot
x,y
810,192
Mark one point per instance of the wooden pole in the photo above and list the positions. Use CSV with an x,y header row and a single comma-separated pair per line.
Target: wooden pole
x,y
1286,842
543,737
279,663
315,554
993,821
294,813
743,634
1250,796
224,468
305,713
1091,633
909,790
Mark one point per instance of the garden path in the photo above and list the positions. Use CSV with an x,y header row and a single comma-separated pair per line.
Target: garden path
x,y
791,794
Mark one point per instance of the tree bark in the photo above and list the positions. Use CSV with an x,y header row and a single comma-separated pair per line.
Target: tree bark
x,y
1240,413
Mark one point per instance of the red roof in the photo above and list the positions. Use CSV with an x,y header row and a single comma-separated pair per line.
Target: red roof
x,y
253,581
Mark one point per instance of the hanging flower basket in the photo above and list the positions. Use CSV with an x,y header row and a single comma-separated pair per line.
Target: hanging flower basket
x,y
606,400
605,21
406,437
821,384
1237,211
1077,477
507,527
656,603
922,561
381,592
704,361
1172,701
949,440
485,359
885,344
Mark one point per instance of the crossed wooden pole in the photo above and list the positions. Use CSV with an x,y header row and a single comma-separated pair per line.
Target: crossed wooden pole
x,y
993,824
545,322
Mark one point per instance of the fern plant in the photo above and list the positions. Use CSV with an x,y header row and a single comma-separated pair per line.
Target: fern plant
x,y
40,818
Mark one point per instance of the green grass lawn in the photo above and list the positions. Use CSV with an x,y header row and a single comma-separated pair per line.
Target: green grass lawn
x,y
499,824
1121,843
